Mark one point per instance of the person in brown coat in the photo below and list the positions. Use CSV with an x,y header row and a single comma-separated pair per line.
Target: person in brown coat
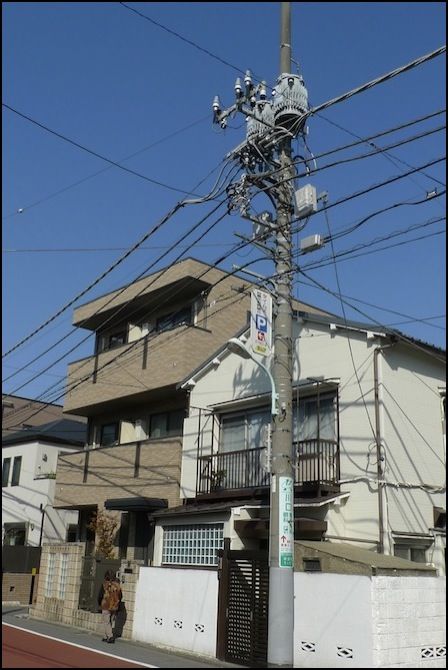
x,y
109,598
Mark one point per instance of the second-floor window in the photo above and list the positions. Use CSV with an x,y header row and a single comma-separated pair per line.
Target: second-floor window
x,y
108,434
174,319
247,430
5,471
112,340
16,468
166,424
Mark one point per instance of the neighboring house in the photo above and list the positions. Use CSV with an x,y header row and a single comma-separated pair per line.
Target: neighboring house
x,y
353,389
29,462
150,336
18,413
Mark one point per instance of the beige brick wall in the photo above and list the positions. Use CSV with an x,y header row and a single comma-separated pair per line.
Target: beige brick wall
x,y
66,611
16,587
111,474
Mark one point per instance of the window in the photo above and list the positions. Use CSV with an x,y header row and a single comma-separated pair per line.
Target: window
x,y
411,552
15,534
109,434
5,471
308,423
51,574
169,321
17,465
112,340
244,431
195,544
63,574
167,424
72,533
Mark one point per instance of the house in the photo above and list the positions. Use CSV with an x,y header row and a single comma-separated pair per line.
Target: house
x,y
19,412
358,394
28,483
178,450
149,336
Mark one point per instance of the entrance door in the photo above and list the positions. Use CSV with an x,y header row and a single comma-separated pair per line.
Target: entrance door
x,y
243,608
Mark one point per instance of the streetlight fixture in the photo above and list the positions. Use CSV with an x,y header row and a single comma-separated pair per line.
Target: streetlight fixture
x,y
237,347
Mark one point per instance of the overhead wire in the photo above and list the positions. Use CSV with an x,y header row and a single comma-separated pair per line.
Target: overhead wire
x,y
25,208
112,267
95,153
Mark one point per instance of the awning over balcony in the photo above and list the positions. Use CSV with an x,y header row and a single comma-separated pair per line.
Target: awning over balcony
x,y
135,504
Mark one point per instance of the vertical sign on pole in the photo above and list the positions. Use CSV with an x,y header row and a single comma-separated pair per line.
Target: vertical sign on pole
x,y
286,522
261,322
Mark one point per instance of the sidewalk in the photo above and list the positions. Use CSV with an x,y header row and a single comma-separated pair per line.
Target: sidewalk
x,y
17,615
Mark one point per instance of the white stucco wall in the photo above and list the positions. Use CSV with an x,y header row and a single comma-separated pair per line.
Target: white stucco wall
x,y
411,425
22,503
353,621
177,608
332,613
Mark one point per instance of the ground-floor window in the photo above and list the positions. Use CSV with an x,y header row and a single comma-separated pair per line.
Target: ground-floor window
x,y
14,534
192,544
416,553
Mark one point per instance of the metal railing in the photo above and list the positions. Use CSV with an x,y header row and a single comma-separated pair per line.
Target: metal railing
x,y
316,462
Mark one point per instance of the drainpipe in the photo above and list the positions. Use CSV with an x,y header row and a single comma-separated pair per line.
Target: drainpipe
x,y
378,442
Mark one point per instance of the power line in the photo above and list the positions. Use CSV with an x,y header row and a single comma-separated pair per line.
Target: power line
x,y
96,249
374,251
143,239
378,80
358,224
95,153
181,37
389,331
376,152
385,151
109,167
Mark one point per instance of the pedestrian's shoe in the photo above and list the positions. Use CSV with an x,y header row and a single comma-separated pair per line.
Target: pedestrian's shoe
x,y
105,639
111,640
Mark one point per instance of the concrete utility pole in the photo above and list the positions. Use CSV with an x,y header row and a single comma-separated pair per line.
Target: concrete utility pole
x,y
266,157
281,528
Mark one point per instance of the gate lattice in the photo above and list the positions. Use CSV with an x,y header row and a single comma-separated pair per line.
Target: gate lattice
x,y
243,608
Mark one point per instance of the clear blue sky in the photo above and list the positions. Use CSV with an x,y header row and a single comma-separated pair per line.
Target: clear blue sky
x,y
115,83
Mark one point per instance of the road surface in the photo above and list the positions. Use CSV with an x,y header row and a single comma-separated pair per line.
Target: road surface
x,y
25,649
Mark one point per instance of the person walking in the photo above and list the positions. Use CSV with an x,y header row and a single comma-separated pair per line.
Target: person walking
x,y
109,598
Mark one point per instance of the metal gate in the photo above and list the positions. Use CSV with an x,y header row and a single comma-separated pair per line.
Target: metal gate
x,y
92,576
243,607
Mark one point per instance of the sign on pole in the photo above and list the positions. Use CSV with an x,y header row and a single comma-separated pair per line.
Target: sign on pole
x,y
286,522
261,322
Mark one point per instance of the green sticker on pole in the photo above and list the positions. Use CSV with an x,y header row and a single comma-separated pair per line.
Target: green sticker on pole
x,y
286,522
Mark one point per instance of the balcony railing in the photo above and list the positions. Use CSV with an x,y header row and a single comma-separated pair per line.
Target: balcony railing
x,y
316,466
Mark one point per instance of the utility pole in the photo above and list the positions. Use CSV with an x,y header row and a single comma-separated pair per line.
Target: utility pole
x,y
281,527
266,157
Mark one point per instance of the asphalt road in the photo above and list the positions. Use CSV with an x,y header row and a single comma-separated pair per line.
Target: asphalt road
x,y
34,643
22,649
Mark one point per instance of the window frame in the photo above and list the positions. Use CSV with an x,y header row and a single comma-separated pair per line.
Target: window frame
x,y
203,544
16,471
6,471
168,430
174,319
21,526
116,425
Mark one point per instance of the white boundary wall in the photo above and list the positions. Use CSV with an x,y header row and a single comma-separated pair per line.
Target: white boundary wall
x,y
340,621
353,621
177,608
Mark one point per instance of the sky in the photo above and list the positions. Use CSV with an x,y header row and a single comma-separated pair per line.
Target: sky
x,y
120,85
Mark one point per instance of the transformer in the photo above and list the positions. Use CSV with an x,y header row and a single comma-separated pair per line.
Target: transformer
x,y
290,103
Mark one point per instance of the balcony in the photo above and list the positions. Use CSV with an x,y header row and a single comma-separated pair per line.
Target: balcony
x,y
130,371
150,468
239,473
